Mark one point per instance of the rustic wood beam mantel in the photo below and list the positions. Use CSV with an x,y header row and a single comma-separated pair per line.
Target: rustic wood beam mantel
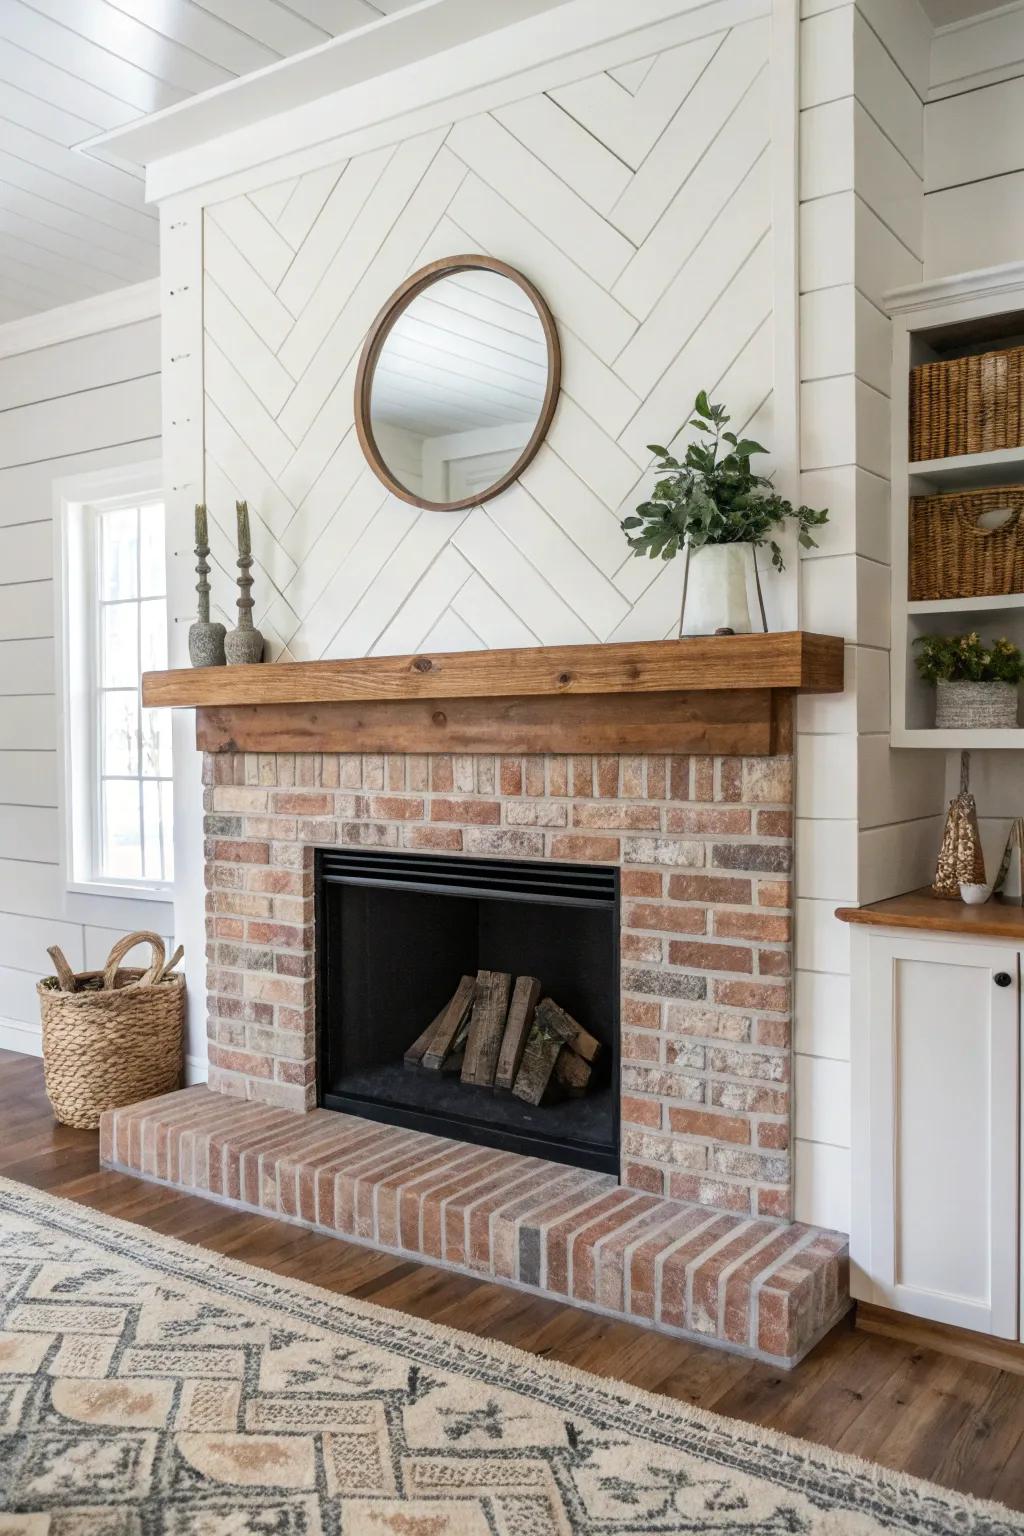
x,y
801,661
719,694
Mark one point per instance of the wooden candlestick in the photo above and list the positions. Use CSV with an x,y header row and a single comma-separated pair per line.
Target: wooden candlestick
x,y
205,640
243,644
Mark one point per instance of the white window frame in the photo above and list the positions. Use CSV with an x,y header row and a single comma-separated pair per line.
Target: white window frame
x,y
75,619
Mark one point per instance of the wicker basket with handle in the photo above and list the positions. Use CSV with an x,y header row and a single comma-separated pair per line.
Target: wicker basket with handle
x,y
952,555
114,1036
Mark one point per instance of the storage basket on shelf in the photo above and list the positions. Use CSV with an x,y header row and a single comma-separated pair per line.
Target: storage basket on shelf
x,y
952,555
967,405
114,1036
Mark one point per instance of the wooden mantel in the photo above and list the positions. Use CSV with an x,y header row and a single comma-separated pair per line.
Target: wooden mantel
x,y
718,694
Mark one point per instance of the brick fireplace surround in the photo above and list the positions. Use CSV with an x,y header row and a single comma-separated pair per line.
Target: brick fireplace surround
x,y
697,1236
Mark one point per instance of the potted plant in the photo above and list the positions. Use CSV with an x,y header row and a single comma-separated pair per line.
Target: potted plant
x,y
975,682
720,512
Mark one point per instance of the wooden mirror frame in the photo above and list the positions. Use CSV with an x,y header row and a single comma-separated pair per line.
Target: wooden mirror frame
x,y
378,335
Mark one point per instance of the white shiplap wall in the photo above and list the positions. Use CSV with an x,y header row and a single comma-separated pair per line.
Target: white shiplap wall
x,y
79,407
638,199
868,818
974,144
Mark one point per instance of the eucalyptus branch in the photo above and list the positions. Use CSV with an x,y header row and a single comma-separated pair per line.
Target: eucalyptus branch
x,y
710,500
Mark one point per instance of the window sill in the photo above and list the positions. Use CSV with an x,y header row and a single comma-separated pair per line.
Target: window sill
x,y
124,889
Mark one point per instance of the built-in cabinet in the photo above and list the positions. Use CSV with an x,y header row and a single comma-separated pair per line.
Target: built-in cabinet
x,y
936,1115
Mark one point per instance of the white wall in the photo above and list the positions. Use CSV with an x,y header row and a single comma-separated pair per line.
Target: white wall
x,y
974,144
867,818
638,197
81,406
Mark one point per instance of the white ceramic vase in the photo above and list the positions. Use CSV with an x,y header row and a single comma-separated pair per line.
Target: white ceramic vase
x,y
716,590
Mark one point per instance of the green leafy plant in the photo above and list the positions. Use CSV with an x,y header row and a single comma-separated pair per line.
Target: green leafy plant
x,y
967,659
714,497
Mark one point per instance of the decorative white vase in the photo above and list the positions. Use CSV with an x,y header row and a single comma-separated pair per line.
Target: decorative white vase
x,y
716,590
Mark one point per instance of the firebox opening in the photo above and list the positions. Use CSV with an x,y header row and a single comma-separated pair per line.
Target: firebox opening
x,y
397,932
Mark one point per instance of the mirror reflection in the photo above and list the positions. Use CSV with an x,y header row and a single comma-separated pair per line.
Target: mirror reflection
x,y
459,386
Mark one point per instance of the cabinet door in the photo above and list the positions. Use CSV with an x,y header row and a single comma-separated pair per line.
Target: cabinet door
x,y
943,1090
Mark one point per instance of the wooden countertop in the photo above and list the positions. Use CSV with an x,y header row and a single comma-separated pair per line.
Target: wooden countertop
x,y
795,661
921,910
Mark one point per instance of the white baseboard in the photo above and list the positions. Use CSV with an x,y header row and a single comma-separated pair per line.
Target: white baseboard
x,y
27,1040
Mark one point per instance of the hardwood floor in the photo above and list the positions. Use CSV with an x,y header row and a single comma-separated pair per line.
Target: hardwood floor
x,y
937,1416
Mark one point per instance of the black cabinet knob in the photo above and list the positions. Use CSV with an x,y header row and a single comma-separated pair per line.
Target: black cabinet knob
x,y
1002,978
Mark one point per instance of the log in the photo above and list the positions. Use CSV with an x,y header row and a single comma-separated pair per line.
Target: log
x,y
453,1018
572,1073
525,995
486,1027
415,1053
579,1039
545,1040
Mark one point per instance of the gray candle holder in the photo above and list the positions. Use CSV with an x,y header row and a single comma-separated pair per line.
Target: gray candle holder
x,y
205,640
243,645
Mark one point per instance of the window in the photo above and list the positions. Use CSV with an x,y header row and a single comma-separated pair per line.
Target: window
x,y
118,754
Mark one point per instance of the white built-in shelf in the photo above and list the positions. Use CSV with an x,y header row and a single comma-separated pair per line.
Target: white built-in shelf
x,y
971,470
1004,602
948,318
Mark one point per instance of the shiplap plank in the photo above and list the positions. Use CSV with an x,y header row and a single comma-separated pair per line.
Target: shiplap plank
x,y
26,777
94,418
578,511
29,723
31,224
26,552
631,124
225,43
249,293
121,220
416,166
223,492
49,83
707,273
524,181
433,593
233,395
245,349
301,211
334,541
86,363
271,200
566,147
74,280
283,29
29,832
490,616
252,233
42,117
338,212
234,457
26,666
26,490
728,76
698,202
503,567
49,37
25,940
26,611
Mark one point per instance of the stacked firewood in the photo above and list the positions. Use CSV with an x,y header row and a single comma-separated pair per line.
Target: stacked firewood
x,y
496,1035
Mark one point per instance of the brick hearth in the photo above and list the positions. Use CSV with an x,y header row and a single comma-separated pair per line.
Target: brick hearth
x,y
752,1285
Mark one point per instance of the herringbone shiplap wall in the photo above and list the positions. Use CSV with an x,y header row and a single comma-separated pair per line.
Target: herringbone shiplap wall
x,y
638,200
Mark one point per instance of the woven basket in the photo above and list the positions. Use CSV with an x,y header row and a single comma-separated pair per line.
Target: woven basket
x,y
951,556
967,405
975,706
111,1037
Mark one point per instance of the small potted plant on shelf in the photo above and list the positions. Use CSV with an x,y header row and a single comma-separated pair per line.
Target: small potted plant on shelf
x,y
719,512
975,681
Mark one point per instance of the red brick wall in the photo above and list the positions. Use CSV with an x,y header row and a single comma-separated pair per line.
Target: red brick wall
x,y
705,847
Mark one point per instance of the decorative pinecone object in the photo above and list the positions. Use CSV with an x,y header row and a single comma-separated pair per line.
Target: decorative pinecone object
x,y
960,857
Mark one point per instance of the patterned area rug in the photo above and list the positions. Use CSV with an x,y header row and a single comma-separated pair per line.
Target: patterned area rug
x,y
148,1386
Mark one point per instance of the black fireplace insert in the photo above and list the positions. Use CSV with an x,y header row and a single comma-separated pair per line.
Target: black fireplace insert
x,y
395,933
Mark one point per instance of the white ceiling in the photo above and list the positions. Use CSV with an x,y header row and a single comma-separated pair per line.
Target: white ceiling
x,y
71,225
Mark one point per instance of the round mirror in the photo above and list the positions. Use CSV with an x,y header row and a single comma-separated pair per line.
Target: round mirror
x,y
457,383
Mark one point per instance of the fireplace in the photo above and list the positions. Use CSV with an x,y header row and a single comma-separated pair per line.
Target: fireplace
x,y
396,933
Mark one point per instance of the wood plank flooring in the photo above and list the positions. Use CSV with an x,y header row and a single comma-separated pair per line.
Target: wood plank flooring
x,y
953,1420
